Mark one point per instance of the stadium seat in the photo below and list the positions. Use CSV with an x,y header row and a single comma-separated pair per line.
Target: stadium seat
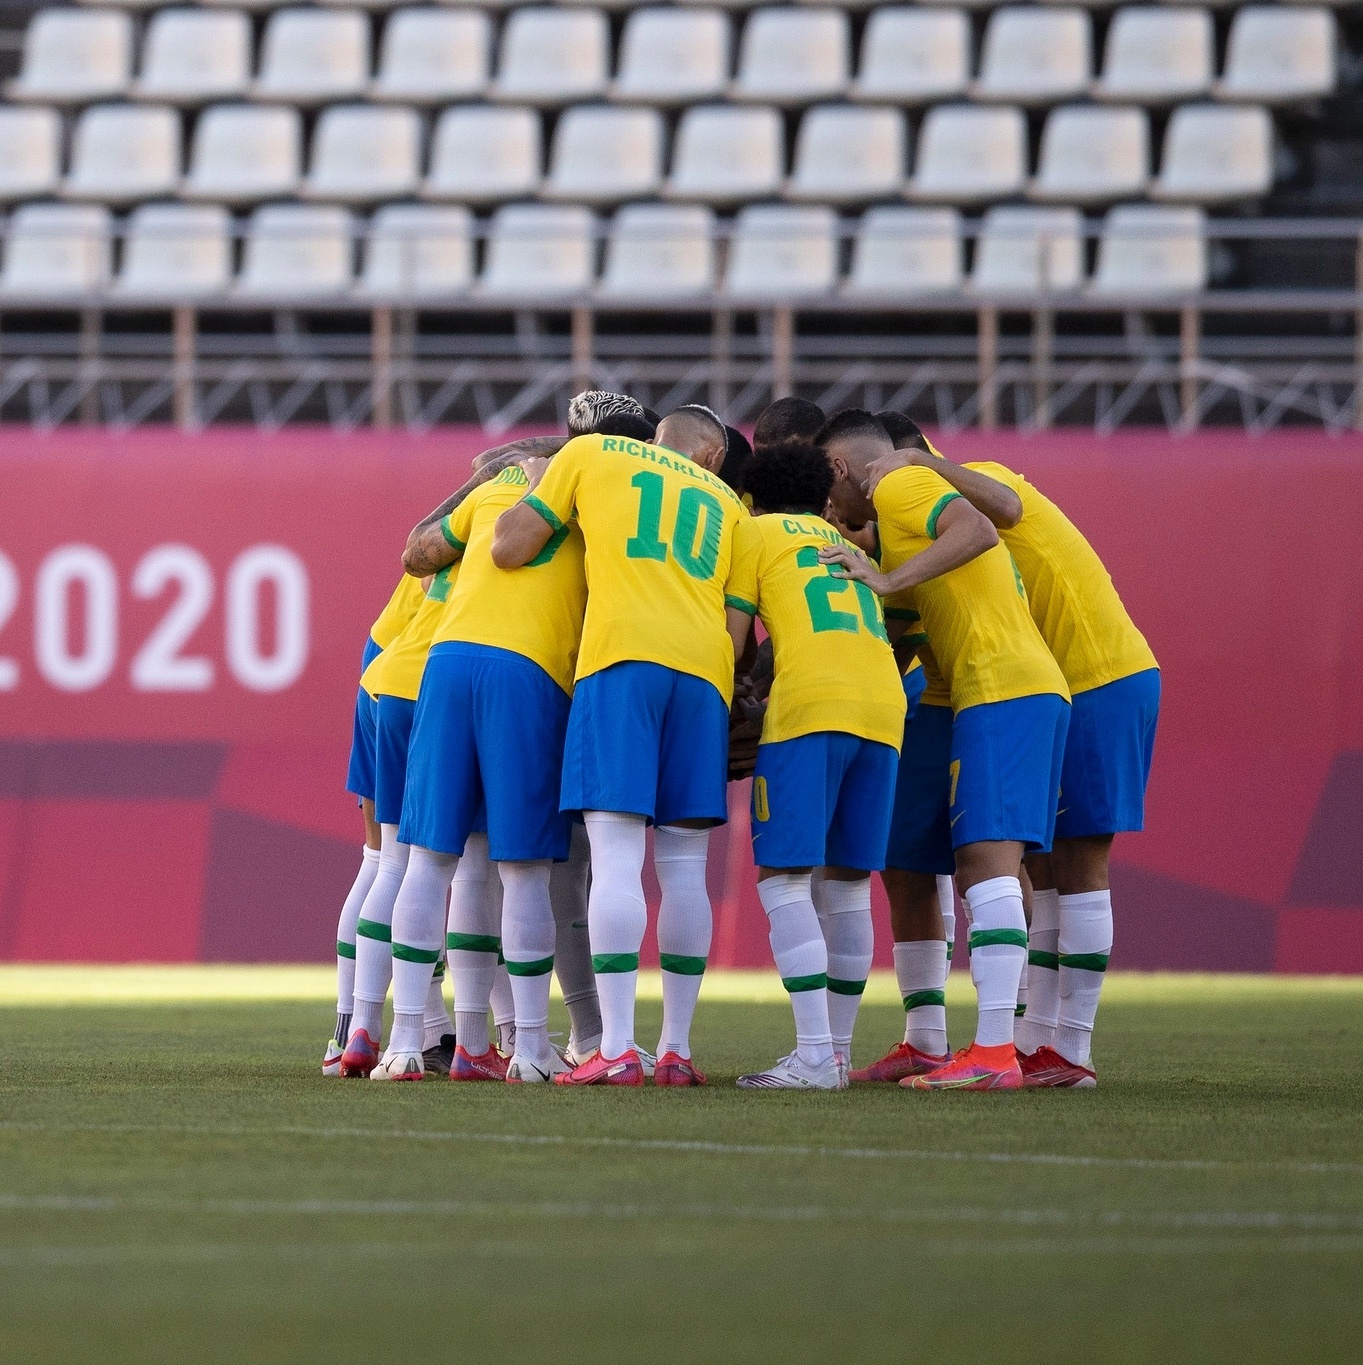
x,y
418,249
790,55
1216,155
845,154
540,249
660,250
1157,55
1092,156
30,153
480,155
57,249
1035,55
725,156
192,56
673,56
121,153
602,155
73,56
1277,54
242,154
914,56
361,155
1151,250
134,5
777,252
431,54
970,156
310,56
553,56
1029,251
294,249
254,6
175,250
906,251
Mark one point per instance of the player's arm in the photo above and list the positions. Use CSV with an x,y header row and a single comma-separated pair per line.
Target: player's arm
x,y
524,530
739,623
996,500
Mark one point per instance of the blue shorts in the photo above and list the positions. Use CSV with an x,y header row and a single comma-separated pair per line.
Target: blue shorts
x,y
649,741
915,684
823,800
920,825
1107,757
487,752
394,733
359,778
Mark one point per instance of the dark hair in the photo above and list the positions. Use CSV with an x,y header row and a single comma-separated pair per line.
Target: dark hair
x,y
794,476
627,424
850,422
652,416
903,431
736,459
709,417
786,420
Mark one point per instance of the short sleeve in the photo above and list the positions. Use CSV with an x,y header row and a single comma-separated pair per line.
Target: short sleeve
x,y
556,496
459,524
740,591
911,499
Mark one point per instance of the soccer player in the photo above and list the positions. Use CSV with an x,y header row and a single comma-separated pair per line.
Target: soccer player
x,y
786,421
648,729
824,784
990,773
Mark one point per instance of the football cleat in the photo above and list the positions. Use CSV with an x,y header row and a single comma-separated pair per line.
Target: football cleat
x,y
675,1070
646,1059
903,1059
523,1070
973,1068
1047,1068
439,1057
844,1069
794,1073
626,1069
400,1066
331,1058
487,1066
360,1057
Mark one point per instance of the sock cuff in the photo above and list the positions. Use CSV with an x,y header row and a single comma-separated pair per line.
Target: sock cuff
x,y
1045,910
846,898
678,844
370,855
612,817
994,889
1091,901
785,888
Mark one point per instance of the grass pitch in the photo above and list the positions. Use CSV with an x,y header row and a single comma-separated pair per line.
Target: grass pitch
x,y
177,1182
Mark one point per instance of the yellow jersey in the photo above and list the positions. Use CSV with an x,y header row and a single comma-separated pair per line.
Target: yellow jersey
x,y
834,668
1070,592
659,533
397,671
980,630
535,611
402,606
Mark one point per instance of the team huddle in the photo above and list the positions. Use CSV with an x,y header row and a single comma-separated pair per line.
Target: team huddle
x,y
945,690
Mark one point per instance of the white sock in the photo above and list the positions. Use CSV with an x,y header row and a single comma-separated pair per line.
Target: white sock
x,y
616,918
946,899
1085,943
436,1022
374,936
572,947
844,910
418,922
920,968
1036,1028
998,953
528,947
685,924
345,941
801,960
473,944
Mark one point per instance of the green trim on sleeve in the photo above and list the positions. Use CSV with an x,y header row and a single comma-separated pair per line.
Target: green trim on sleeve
x,y
531,501
447,531
919,638
738,604
937,512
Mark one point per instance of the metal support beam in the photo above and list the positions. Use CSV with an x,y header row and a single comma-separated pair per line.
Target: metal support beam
x,y
1358,335
91,326
1189,349
987,364
381,357
184,333
782,352
1043,348
584,345
721,356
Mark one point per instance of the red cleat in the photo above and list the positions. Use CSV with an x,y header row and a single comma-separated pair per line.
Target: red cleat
x,y
1046,1068
626,1069
360,1057
973,1068
486,1066
903,1059
674,1069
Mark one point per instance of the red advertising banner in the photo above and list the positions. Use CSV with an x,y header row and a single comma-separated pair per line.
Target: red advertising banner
x,y
182,616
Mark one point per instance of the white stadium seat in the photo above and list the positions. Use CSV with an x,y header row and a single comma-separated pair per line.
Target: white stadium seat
x,y
1216,155
725,156
193,56
1029,251
121,153
418,249
294,249
1150,250
134,5
1035,55
310,56
1093,155
431,54
242,154
914,56
780,252
970,156
1277,54
906,251
602,155
845,154
72,56
791,55
30,153
480,155
553,56
361,155
1157,55
673,56
176,250
57,249
540,249
660,251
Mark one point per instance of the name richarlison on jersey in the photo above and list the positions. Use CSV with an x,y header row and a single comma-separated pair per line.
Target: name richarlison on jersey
x,y
659,455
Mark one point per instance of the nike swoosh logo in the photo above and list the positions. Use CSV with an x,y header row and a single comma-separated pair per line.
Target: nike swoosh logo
x,y
954,818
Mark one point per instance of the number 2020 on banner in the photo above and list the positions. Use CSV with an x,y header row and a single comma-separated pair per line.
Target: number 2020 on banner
x,y
76,599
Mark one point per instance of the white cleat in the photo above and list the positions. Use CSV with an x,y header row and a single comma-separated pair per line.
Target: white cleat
x,y
400,1066
792,1073
331,1058
523,1070
647,1060
844,1065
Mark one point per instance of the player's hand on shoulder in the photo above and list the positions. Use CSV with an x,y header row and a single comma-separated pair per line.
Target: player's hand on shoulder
x,y
887,464
534,467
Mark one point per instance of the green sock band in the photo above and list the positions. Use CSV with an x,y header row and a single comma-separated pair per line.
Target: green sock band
x,y
345,950
987,938
473,943
1019,1011
816,981
607,963
368,928
681,966
1049,960
404,952
951,948
840,987
919,999
540,967
1085,962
